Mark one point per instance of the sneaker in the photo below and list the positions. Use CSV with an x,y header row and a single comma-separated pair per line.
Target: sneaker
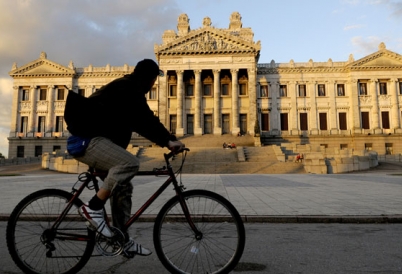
x,y
131,248
96,219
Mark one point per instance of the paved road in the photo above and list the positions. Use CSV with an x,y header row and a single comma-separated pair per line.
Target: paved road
x,y
370,196
276,248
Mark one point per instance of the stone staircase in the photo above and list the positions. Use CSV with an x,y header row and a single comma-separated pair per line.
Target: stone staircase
x,y
207,156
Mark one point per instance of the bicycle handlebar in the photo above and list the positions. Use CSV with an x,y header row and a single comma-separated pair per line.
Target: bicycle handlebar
x,y
173,153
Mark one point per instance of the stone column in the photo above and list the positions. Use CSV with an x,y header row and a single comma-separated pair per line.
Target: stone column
x,y
274,117
15,117
375,113
32,123
162,99
217,112
235,102
313,111
354,113
293,108
198,103
180,98
252,95
332,91
50,122
394,102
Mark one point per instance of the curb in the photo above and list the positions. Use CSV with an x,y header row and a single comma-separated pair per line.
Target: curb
x,y
306,219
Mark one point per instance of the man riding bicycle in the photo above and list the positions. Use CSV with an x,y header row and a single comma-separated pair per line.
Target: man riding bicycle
x,y
101,127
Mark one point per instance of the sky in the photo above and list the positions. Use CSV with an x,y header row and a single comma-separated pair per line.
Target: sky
x,y
118,32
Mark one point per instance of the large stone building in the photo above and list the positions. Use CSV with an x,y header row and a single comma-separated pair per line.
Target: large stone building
x,y
215,85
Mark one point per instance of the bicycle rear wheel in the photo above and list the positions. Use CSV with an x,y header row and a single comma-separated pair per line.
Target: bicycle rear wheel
x,y
38,248
221,244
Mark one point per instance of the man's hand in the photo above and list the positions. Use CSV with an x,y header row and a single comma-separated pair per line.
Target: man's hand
x,y
175,146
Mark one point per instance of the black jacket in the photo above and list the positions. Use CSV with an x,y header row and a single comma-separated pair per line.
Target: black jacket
x,y
115,111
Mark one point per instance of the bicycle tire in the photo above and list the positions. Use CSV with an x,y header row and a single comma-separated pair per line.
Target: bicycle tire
x,y
28,227
223,234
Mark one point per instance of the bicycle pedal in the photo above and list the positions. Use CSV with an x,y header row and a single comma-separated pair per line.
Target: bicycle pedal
x,y
128,255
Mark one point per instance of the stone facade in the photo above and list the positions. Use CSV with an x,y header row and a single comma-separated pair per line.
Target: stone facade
x,y
215,85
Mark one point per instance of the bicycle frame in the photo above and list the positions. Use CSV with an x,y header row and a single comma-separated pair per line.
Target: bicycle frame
x,y
91,177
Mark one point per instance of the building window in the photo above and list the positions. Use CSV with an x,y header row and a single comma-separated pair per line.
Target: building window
x,y
321,90
363,88
41,123
173,124
42,94
340,89
302,91
342,121
385,119
59,123
368,146
388,149
303,121
38,151
24,124
81,92
20,151
264,121
60,94
207,90
344,146
365,120
283,91
189,90
264,91
284,121
225,89
152,94
172,90
190,124
56,148
25,95
323,121
243,123
207,123
400,87
383,88
242,89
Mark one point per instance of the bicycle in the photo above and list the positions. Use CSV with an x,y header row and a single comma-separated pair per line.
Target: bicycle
x,y
196,231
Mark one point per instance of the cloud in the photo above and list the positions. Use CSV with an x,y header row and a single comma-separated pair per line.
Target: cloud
x,y
366,45
5,113
353,27
97,32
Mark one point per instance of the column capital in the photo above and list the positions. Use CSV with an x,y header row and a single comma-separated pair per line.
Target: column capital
x,y
50,86
16,87
216,71
373,80
234,70
197,71
179,71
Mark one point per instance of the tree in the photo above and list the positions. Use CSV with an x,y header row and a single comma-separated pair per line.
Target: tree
x,y
2,156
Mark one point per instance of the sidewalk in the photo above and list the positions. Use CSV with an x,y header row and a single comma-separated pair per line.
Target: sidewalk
x,y
372,196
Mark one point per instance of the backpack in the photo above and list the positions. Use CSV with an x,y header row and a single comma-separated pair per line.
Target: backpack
x,y
81,115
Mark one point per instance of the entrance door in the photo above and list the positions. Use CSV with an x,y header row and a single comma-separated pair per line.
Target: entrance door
x,y
207,123
225,123
190,124
243,123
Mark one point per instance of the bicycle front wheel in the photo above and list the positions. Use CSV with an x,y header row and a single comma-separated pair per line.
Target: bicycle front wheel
x,y
36,246
220,244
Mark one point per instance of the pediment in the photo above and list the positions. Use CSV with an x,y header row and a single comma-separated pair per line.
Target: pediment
x,y
40,68
380,59
208,41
